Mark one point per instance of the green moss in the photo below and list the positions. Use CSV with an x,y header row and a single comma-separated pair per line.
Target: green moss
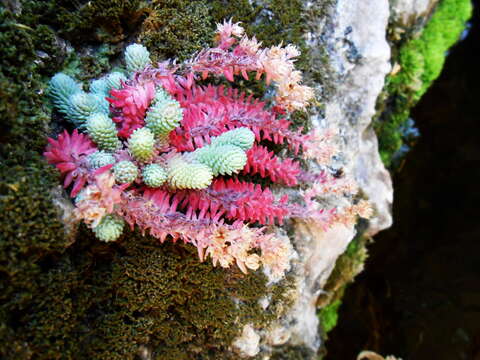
x,y
421,60
23,117
329,316
30,232
96,63
176,29
115,299
88,21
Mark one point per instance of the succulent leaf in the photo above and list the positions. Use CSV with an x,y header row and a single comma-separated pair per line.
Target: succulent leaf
x,y
137,57
110,228
154,175
114,80
125,172
163,116
61,88
141,144
241,137
222,159
100,158
81,106
184,175
99,87
103,132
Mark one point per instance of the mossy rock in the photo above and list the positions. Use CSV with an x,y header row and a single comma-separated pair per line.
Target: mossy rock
x,y
420,60
87,299
347,267
288,352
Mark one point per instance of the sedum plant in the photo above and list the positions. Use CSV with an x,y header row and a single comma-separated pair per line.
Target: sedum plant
x,y
154,175
184,159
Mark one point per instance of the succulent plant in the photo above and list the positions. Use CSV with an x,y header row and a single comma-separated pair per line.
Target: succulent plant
x,y
100,158
110,228
141,144
163,116
125,172
185,175
136,57
60,89
81,106
154,175
222,159
114,80
103,132
241,137
99,87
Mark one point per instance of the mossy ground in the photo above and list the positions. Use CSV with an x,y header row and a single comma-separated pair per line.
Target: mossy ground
x,y
421,57
90,300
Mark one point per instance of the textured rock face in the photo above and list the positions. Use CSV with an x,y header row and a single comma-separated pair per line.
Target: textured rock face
x,y
354,35
407,12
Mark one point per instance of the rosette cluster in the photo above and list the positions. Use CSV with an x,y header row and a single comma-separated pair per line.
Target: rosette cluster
x,y
157,148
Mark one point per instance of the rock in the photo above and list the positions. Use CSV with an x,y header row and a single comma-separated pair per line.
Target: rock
x,y
358,59
407,12
248,343
66,209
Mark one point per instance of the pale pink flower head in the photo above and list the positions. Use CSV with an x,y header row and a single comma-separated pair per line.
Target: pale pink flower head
x,y
99,198
228,29
110,193
364,209
276,255
227,33
291,51
90,212
250,46
253,261
320,146
277,63
294,96
277,69
218,248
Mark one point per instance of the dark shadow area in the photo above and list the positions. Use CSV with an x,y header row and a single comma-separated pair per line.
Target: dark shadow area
x,y
419,297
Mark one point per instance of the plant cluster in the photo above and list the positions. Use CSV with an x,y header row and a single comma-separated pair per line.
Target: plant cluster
x,y
162,147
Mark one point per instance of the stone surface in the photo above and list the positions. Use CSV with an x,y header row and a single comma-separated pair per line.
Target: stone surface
x,y
357,58
407,12
248,343
66,209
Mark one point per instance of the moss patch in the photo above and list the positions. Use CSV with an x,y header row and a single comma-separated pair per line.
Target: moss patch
x,y
95,301
329,315
421,60
176,29
84,21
